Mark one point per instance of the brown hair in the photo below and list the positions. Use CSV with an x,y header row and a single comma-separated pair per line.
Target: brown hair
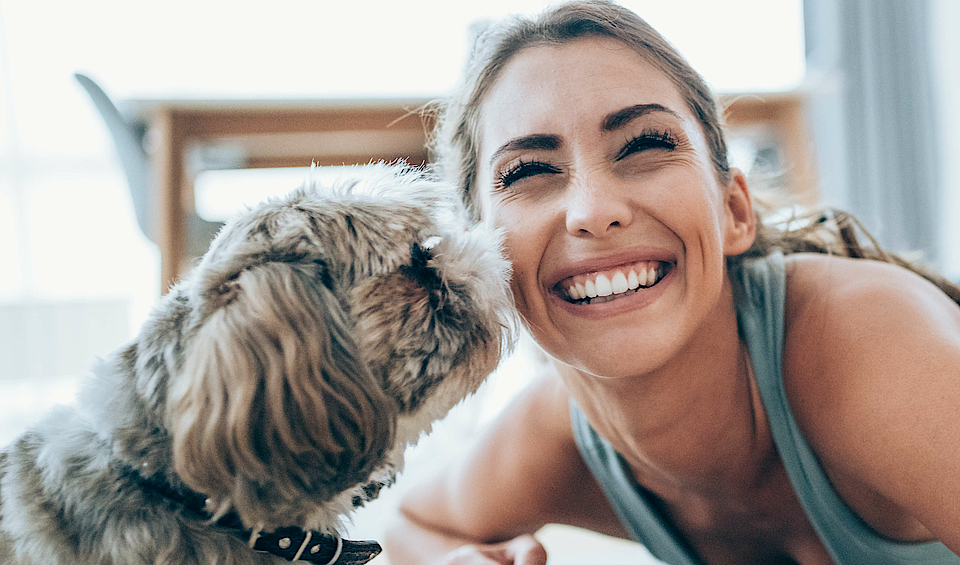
x,y
454,144
833,232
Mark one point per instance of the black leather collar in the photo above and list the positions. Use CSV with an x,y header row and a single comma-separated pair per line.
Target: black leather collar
x,y
294,544
290,543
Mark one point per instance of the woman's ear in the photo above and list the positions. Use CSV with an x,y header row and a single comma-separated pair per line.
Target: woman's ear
x,y
741,221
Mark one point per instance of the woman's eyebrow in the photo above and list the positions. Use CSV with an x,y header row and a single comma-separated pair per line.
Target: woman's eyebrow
x,y
620,118
527,142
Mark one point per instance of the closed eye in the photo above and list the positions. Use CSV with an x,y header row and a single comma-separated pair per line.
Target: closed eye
x,y
652,139
521,170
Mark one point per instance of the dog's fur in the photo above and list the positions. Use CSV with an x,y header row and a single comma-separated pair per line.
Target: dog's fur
x,y
283,378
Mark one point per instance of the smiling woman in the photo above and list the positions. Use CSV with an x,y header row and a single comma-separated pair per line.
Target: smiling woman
x,y
741,403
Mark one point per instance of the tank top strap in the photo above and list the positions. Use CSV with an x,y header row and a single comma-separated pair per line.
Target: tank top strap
x,y
633,505
848,539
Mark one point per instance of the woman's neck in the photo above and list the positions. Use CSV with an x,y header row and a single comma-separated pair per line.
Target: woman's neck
x,y
694,424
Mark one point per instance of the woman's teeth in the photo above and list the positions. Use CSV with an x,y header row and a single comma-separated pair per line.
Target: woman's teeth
x,y
613,284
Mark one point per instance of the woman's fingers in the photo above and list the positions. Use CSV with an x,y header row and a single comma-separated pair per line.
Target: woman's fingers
x,y
522,550
526,550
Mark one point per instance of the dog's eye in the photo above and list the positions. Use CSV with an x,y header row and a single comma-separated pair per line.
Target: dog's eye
x,y
420,269
420,256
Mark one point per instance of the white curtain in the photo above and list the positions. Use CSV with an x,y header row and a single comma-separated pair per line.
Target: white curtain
x,y
874,117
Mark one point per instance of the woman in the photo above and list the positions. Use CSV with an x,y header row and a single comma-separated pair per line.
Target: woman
x,y
713,394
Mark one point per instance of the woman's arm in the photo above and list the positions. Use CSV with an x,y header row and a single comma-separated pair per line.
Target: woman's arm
x,y
524,473
875,385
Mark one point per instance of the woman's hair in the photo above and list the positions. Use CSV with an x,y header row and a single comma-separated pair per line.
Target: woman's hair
x,y
832,232
455,139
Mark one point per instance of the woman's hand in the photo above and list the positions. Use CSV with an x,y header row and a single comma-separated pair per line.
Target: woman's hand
x,y
411,543
522,550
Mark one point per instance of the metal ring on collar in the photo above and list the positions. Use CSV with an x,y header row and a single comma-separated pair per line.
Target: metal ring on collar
x,y
336,554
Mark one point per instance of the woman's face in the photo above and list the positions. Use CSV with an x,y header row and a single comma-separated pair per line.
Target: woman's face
x,y
598,174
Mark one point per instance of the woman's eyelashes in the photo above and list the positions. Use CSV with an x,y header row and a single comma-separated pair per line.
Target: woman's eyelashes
x,y
520,170
649,139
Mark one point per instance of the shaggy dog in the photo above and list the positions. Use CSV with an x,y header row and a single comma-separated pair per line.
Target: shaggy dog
x,y
271,391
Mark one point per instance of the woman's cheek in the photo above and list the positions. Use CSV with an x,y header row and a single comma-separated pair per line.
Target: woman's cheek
x,y
524,266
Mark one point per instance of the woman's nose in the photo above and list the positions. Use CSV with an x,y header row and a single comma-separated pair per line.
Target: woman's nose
x,y
595,208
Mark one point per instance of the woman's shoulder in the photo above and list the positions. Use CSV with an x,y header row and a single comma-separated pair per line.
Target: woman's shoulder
x,y
855,298
834,303
871,360
862,324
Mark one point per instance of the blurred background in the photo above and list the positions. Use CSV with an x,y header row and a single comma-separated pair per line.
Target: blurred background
x,y
852,103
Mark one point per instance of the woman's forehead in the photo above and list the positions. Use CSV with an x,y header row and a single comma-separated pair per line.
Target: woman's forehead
x,y
546,87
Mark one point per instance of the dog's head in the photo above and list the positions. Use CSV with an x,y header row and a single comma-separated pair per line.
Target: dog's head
x,y
328,329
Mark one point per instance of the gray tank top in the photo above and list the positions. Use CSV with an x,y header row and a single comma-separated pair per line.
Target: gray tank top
x,y
846,537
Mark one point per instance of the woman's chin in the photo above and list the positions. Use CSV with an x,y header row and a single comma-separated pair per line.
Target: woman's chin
x,y
612,356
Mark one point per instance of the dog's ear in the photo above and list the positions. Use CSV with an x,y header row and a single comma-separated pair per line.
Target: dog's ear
x,y
275,405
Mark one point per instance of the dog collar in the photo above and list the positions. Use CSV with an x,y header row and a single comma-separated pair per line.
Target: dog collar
x,y
290,543
294,544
